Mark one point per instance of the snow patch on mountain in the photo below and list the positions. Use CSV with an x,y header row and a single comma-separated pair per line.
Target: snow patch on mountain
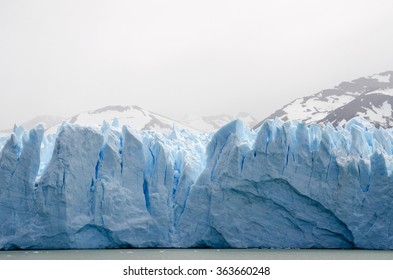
x,y
141,119
383,78
133,116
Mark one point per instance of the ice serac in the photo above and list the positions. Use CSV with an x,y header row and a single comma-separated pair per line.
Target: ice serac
x,y
64,190
286,185
19,163
119,203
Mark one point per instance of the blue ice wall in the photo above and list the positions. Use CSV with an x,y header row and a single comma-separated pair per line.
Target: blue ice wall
x,y
286,185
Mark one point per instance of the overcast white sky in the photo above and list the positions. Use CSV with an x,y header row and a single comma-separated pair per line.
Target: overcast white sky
x,y
177,57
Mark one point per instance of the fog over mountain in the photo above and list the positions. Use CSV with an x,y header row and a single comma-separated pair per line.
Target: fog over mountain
x,y
201,58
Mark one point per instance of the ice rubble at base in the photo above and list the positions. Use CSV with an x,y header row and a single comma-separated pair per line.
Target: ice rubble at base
x,y
286,185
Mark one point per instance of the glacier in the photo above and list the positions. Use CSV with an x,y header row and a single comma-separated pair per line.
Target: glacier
x,y
284,185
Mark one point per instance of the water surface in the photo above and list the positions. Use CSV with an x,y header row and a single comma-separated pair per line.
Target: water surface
x,y
197,254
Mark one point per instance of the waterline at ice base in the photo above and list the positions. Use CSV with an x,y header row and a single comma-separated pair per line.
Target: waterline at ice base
x,y
285,185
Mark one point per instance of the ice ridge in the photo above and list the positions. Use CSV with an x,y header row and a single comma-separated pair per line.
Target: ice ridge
x,y
285,185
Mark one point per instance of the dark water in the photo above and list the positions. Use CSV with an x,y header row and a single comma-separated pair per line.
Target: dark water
x,y
198,254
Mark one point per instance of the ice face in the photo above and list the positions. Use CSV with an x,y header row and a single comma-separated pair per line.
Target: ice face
x,y
19,164
288,189
286,185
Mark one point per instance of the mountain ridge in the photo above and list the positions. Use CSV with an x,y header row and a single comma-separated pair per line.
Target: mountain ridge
x,y
139,119
344,102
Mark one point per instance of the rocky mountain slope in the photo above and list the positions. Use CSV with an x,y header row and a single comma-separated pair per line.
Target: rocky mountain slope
x,y
369,97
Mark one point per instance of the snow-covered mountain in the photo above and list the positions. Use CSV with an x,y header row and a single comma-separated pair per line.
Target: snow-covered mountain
x,y
141,119
134,116
370,97
137,118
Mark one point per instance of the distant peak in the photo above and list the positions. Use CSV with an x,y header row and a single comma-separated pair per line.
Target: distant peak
x,y
117,108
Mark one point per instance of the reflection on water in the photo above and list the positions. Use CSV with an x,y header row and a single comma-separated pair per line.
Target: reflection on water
x,y
198,254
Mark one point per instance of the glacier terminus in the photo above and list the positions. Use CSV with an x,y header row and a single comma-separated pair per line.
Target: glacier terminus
x,y
283,185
